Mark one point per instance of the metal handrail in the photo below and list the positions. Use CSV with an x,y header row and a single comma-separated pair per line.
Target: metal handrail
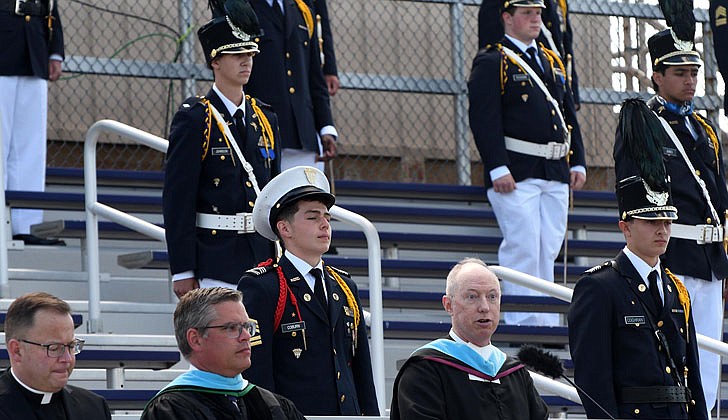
x,y
94,209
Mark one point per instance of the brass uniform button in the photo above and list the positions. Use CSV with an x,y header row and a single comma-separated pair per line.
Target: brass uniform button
x,y
27,18
293,334
660,323
338,375
248,184
692,402
343,397
305,43
257,40
636,410
219,140
214,232
222,157
289,72
553,112
667,369
681,330
555,128
288,55
708,220
334,352
292,90
641,287
523,83
697,172
251,204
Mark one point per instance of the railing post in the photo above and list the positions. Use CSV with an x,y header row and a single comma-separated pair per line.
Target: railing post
x,y
186,48
4,220
92,228
462,147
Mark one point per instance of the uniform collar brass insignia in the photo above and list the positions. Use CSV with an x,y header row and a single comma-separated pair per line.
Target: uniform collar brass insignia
x,y
654,197
524,97
297,352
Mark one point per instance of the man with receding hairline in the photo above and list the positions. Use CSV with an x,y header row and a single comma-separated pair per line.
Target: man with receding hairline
x,y
464,376
39,336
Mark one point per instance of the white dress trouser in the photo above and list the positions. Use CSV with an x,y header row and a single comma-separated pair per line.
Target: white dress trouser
x,y
707,308
532,220
23,122
299,157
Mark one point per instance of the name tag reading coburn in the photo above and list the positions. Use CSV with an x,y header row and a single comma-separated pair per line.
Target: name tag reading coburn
x,y
293,326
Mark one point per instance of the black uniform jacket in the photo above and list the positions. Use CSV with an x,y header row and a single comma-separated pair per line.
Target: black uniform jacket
x,y
79,403
520,110
217,184
719,25
324,375
684,256
26,44
490,31
259,404
613,345
321,9
287,75
425,389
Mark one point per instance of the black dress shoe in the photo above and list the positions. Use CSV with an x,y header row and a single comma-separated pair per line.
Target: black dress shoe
x,y
34,240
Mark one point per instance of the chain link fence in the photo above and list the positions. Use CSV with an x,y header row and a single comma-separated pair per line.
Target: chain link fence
x,y
402,109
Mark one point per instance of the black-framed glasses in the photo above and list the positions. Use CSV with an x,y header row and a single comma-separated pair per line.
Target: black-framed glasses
x,y
58,349
235,329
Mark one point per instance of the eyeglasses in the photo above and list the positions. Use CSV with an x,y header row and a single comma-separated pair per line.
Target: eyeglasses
x,y
58,349
235,329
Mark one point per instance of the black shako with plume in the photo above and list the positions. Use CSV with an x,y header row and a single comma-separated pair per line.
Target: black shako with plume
x,y
550,365
644,138
240,13
679,17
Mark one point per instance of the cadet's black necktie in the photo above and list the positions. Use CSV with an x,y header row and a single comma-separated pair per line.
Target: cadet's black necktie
x,y
655,290
532,61
318,289
277,10
239,119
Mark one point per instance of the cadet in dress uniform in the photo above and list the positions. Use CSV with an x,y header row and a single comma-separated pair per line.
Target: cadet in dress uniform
x,y
288,76
631,331
693,158
523,120
216,163
719,25
556,33
312,346
31,55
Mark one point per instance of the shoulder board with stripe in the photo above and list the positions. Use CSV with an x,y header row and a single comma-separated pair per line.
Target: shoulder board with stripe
x,y
599,267
340,271
258,271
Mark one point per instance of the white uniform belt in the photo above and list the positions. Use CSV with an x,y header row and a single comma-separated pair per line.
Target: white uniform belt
x,y
241,222
551,151
702,234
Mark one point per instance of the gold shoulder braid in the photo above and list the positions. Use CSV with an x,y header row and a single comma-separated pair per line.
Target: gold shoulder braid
x,y
220,126
711,135
504,68
553,57
208,127
682,294
306,12
268,138
350,299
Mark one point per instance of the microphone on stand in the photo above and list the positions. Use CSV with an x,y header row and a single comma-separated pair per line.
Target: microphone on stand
x,y
550,365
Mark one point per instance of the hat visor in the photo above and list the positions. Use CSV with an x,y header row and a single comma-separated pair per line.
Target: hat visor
x,y
683,60
657,215
249,48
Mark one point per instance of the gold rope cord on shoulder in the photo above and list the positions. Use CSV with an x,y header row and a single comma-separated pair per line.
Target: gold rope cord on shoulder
x,y
208,128
682,294
711,135
350,299
306,12
221,127
553,57
564,9
504,68
268,139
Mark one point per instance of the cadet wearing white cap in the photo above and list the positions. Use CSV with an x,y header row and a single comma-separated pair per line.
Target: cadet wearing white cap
x,y
222,147
312,347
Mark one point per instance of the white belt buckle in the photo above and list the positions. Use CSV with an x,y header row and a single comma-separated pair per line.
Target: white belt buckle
x,y
246,222
705,235
717,234
555,150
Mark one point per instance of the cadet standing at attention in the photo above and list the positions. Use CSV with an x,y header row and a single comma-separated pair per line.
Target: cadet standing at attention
x,y
223,146
313,346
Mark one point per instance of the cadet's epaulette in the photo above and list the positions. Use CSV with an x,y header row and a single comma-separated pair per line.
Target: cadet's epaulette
x,y
192,101
258,271
599,267
340,271
263,104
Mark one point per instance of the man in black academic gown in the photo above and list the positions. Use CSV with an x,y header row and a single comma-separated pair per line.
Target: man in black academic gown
x,y
464,376
213,333
39,336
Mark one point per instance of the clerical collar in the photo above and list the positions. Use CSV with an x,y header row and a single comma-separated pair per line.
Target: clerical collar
x,y
683,110
484,352
45,396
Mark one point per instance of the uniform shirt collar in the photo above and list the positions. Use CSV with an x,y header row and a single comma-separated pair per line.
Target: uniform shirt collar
x,y
304,268
229,105
521,46
45,396
641,266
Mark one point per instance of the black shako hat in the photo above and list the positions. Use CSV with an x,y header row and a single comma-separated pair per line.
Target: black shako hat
x,y
675,45
638,200
232,30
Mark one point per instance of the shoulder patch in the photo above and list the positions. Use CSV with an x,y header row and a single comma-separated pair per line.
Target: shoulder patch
x,y
258,271
340,271
599,267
